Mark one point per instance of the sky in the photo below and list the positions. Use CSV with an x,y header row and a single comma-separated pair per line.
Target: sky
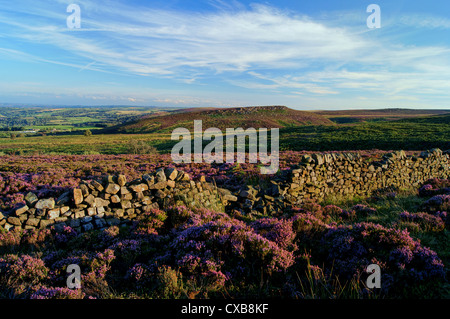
x,y
305,54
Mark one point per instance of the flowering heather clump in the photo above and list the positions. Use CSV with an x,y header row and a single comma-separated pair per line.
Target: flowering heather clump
x,y
312,207
426,221
182,217
67,234
427,264
127,250
150,222
205,269
139,275
444,216
277,230
224,239
434,187
58,262
106,237
37,238
137,272
57,293
94,281
426,190
23,269
437,203
10,239
307,226
327,214
350,249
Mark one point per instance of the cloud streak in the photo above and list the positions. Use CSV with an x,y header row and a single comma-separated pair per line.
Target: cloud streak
x,y
257,47
153,41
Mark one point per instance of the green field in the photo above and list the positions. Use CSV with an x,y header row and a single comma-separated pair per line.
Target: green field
x,y
67,133
80,144
383,136
46,119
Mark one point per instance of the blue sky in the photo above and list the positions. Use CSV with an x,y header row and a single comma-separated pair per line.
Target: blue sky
x,y
303,54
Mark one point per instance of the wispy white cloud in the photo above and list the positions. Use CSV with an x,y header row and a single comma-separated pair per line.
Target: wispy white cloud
x,y
424,21
257,47
154,41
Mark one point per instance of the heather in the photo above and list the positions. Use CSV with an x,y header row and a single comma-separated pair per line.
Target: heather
x,y
317,249
51,175
313,251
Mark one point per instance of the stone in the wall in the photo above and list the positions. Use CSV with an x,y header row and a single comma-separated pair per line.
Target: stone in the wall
x,y
48,203
77,196
171,173
112,188
99,187
33,222
14,221
22,210
121,180
53,213
31,198
160,176
139,188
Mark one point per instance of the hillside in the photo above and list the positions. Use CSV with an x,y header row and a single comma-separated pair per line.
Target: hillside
x,y
436,119
245,117
391,114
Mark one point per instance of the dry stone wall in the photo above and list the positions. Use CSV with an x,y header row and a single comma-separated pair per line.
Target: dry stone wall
x,y
321,175
115,201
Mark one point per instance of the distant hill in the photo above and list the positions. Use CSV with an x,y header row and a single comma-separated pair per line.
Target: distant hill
x,y
222,118
390,114
436,119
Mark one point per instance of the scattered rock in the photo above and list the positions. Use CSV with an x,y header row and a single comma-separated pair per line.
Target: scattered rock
x,y
84,189
90,200
115,199
159,185
87,227
230,198
160,194
99,202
